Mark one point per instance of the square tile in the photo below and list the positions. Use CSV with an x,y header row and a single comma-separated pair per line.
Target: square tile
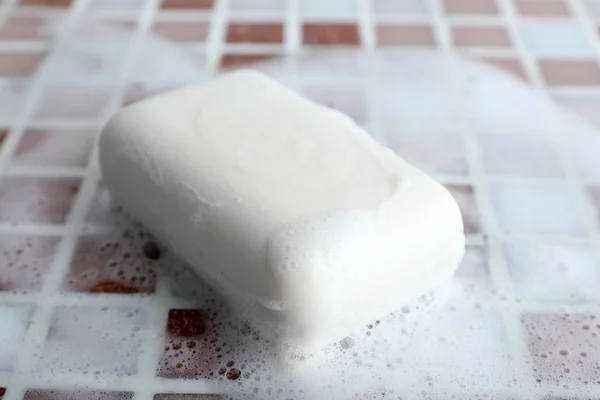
x,y
537,209
19,65
182,31
25,261
479,7
76,394
585,105
570,72
116,262
117,5
18,28
72,102
47,3
400,7
255,6
12,97
36,200
417,149
593,193
241,60
188,4
564,348
54,147
571,271
332,9
511,65
322,34
476,36
92,340
352,101
520,155
555,38
264,33
15,321
542,8
405,35
465,197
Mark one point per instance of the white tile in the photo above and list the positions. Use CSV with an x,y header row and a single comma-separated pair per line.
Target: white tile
x,y
120,5
555,38
551,272
330,8
537,209
401,7
15,320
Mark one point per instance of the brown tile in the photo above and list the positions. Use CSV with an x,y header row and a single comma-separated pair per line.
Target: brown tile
x,y
36,200
182,31
510,65
413,35
59,394
542,8
59,148
25,261
239,60
47,3
464,36
330,34
188,4
571,73
22,28
18,65
470,7
111,263
255,33
465,197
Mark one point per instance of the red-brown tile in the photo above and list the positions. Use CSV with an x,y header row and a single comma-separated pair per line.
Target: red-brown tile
x,y
407,35
36,200
465,197
255,33
182,31
72,102
188,397
510,65
542,8
117,263
565,348
25,261
22,28
570,73
59,394
330,34
470,7
239,60
62,148
18,65
464,36
594,197
351,101
47,3
188,4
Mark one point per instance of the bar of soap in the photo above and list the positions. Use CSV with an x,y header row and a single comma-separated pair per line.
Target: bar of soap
x,y
308,226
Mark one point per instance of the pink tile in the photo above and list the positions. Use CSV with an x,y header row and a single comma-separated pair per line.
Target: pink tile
x,y
73,102
19,65
182,31
471,36
22,28
36,200
58,147
351,101
470,7
565,348
542,8
405,35
118,262
417,149
25,261
570,72
465,197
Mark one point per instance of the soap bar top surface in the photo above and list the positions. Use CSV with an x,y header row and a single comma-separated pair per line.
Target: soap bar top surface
x,y
288,207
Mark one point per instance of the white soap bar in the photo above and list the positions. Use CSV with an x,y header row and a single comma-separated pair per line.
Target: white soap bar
x,y
308,226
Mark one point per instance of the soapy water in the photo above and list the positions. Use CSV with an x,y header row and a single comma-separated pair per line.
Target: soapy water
x,y
452,344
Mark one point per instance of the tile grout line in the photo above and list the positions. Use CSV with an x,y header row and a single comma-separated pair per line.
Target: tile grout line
x,y
216,36
293,35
